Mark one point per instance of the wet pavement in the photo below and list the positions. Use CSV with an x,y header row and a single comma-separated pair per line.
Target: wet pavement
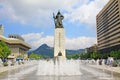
x,y
30,73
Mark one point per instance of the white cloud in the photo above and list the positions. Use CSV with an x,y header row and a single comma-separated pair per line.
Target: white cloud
x,y
32,11
36,39
86,13
80,42
38,12
32,36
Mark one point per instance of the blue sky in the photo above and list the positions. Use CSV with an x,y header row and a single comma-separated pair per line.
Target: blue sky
x,y
33,20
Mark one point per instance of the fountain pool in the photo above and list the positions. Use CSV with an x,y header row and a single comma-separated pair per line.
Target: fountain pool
x,y
59,67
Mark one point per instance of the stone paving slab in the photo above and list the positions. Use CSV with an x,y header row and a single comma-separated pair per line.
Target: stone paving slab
x,y
114,69
7,68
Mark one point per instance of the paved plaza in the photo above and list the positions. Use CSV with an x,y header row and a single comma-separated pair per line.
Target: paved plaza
x,y
29,71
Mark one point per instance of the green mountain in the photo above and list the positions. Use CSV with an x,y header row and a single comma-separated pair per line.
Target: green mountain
x,y
47,51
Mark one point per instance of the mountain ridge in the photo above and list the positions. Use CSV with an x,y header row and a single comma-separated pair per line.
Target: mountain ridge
x,y
48,51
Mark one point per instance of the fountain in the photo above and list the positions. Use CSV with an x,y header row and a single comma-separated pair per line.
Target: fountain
x,y
59,67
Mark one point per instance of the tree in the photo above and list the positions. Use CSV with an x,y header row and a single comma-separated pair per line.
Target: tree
x,y
85,55
94,55
114,54
4,51
73,56
118,52
35,56
104,55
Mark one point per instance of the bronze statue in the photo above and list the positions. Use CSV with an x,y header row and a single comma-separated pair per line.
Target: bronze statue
x,y
58,20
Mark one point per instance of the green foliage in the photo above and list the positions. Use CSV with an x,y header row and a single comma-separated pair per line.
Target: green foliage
x,y
95,55
85,56
73,56
118,52
35,56
4,51
114,64
112,54
104,56
5,64
115,54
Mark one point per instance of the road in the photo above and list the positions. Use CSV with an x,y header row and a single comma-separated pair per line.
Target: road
x,y
30,73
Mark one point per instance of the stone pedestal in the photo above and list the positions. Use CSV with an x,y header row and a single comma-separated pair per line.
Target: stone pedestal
x,y
59,43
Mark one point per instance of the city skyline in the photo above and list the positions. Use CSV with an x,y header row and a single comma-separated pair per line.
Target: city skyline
x,y
34,20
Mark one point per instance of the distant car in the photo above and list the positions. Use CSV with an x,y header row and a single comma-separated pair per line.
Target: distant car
x,y
18,59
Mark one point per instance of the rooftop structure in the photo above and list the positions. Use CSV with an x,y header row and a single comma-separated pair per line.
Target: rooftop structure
x,y
16,36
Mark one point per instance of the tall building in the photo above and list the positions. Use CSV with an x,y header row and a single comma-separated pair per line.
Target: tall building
x,y
108,27
59,38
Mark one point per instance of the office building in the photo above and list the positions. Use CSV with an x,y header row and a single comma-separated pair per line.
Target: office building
x,y
108,27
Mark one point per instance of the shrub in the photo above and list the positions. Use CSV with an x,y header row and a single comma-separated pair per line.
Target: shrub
x,y
5,64
22,62
114,64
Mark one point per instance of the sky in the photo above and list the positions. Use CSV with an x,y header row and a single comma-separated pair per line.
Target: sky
x,y
33,20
